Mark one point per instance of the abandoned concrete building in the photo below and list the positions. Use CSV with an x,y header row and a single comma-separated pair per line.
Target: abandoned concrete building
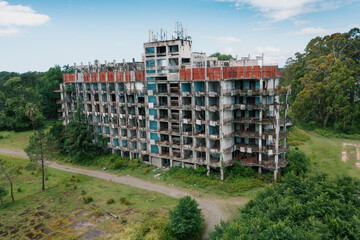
x,y
181,108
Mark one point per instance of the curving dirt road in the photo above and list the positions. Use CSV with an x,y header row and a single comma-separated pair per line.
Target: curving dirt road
x,y
214,209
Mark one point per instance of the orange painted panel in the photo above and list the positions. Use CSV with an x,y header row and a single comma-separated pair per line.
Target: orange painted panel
x,y
248,72
202,73
127,76
110,76
195,74
256,71
217,73
210,73
240,72
102,76
188,74
225,71
182,74
94,77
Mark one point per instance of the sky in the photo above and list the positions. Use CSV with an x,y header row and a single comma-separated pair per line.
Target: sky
x,y
38,34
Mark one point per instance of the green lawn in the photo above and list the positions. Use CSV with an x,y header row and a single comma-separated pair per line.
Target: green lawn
x,y
325,154
60,208
14,140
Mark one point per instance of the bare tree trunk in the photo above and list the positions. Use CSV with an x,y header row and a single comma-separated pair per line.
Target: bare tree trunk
x,y
11,184
42,165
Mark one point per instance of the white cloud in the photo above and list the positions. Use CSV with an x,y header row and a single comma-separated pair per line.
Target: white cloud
x,y
18,15
312,31
267,49
278,10
227,40
9,31
273,55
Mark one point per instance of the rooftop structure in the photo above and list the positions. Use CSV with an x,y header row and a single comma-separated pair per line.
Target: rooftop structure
x,y
181,108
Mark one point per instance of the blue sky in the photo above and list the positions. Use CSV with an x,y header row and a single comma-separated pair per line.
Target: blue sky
x,y
37,34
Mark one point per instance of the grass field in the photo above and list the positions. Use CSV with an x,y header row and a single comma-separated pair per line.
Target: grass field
x,y
60,212
14,140
326,155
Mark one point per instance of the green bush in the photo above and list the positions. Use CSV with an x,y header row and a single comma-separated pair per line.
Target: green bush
x,y
299,163
297,136
146,170
110,201
31,166
186,221
302,207
87,200
124,201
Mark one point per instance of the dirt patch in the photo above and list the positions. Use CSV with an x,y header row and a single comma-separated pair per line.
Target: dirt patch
x,y
42,214
93,234
26,212
129,211
82,225
32,235
3,234
42,207
82,214
41,227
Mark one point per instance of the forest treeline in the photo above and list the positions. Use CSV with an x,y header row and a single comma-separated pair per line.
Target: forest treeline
x,y
324,82
29,94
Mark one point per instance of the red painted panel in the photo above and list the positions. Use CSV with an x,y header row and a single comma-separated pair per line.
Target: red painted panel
x,y
188,74
217,73
127,76
182,74
110,76
102,76
195,75
86,77
202,73
256,71
225,71
94,77
248,72
119,76
210,73
240,72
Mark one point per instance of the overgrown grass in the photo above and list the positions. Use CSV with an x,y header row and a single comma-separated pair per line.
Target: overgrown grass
x,y
297,136
63,197
14,140
325,155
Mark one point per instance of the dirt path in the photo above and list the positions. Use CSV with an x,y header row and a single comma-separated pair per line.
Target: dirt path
x,y
214,209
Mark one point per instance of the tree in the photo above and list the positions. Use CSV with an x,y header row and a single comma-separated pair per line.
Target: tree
x,y
40,146
303,207
185,219
81,142
2,167
323,80
3,193
221,57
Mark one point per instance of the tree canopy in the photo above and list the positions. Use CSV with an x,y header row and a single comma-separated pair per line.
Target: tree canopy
x,y
221,57
30,90
314,207
324,81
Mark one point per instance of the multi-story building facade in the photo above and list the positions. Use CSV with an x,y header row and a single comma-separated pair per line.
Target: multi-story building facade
x,y
179,108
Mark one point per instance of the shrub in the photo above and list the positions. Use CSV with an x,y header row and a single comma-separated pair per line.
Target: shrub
x,y
19,189
298,162
110,201
146,170
297,136
17,170
185,220
124,201
31,166
87,200
83,192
